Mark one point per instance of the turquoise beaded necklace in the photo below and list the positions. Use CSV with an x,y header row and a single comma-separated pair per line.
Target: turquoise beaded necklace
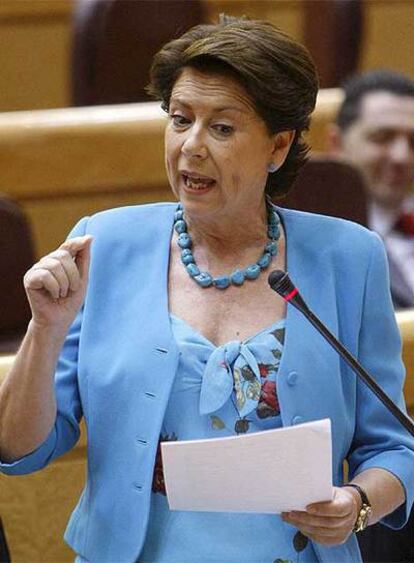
x,y
238,277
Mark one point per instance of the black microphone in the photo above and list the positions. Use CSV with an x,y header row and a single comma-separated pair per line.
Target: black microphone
x,y
280,282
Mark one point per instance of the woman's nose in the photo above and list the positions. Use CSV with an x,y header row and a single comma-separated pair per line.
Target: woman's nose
x,y
194,145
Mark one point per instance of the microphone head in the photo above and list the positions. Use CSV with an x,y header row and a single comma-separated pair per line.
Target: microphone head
x,y
280,282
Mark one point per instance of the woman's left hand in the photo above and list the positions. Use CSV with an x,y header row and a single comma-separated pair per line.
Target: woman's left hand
x,y
328,523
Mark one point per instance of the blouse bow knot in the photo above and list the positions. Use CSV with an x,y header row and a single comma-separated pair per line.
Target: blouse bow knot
x,y
231,367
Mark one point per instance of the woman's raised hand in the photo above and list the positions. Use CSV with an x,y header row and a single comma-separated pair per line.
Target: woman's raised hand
x,y
56,285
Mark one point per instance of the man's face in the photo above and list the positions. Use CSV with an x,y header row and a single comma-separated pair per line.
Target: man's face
x,y
381,143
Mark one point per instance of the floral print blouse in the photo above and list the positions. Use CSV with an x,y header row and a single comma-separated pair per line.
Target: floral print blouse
x,y
221,391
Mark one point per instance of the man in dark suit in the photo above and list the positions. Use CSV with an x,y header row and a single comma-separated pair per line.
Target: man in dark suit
x,y
375,130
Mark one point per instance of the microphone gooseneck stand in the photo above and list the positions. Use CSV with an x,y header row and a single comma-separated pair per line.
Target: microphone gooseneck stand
x,y
280,282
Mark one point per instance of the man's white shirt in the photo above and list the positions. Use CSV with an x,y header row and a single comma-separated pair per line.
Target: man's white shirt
x,y
400,247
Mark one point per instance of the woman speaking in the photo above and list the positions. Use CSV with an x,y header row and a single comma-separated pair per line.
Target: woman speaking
x,y
168,329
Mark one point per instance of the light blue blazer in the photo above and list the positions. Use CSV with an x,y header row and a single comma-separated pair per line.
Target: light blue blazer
x,y
119,361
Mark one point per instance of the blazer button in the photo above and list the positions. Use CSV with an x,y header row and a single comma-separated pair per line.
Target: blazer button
x,y
297,420
292,378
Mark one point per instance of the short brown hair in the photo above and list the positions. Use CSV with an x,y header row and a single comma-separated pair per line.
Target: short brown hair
x,y
276,71
360,85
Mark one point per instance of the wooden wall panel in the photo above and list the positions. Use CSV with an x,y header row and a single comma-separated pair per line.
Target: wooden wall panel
x,y
389,28
35,38
285,14
81,150
35,510
63,164
35,41
35,45
53,218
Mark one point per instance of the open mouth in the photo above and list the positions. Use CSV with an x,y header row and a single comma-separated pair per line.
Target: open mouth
x,y
197,182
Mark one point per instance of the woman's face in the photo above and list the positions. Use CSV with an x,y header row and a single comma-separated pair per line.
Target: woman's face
x,y
217,147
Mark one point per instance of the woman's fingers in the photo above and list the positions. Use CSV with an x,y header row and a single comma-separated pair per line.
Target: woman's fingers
x,y
50,266
324,532
304,519
63,270
341,505
66,271
42,279
83,258
79,249
328,522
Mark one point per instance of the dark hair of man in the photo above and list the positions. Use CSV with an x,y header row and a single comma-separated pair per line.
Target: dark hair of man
x,y
277,73
357,87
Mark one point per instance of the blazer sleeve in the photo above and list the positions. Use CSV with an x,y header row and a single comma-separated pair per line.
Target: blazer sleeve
x,y
380,440
65,432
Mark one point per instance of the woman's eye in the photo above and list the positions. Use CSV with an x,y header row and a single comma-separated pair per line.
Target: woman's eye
x,y
223,129
179,120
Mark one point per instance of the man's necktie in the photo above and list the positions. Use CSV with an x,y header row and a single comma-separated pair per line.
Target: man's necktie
x,y
405,224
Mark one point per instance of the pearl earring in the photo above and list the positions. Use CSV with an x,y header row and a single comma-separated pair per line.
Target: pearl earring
x,y
272,167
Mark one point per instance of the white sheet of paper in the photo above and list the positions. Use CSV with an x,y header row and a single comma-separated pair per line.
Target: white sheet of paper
x,y
267,472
